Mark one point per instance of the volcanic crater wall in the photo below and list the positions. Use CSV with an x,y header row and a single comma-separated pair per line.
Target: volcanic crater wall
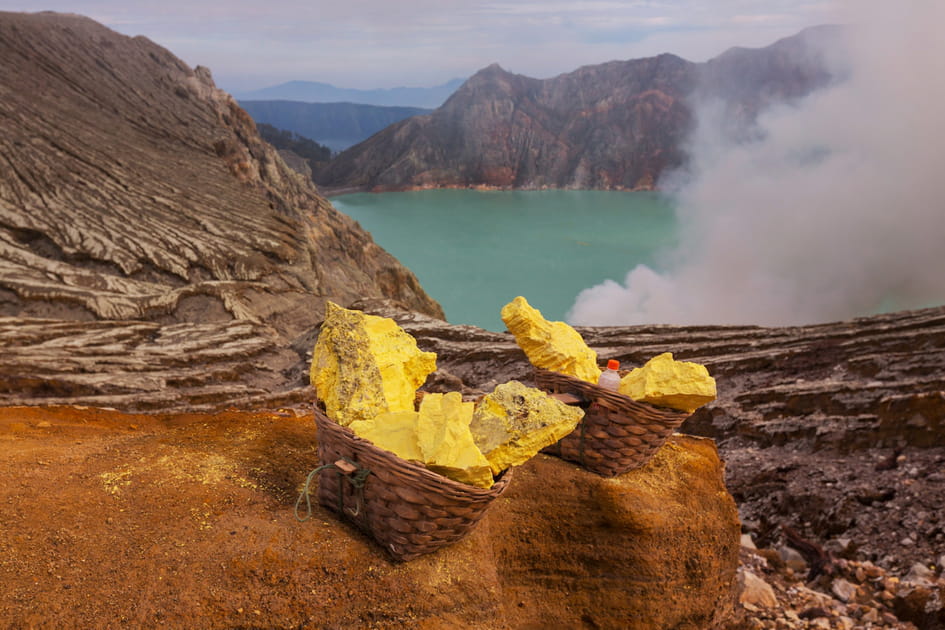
x,y
131,187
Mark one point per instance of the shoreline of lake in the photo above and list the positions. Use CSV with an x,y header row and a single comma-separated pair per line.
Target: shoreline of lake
x,y
331,193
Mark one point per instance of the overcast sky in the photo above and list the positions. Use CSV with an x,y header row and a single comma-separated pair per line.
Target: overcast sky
x,y
250,44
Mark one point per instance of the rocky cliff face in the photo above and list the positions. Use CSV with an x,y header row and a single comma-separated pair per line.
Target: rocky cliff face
x,y
617,125
510,131
132,188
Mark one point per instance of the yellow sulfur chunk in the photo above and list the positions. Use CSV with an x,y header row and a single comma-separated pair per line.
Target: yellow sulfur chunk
x,y
514,422
668,383
395,431
364,366
552,346
437,436
446,442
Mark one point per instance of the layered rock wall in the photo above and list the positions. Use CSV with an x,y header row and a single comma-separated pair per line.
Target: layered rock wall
x,y
132,188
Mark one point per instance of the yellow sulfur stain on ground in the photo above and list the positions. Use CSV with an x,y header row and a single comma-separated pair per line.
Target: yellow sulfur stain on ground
x,y
364,365
115,481
513,423
666,382
437,436
552,346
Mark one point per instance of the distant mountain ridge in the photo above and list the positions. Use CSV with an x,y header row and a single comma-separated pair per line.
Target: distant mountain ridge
x,y
335,125
316,92
613,126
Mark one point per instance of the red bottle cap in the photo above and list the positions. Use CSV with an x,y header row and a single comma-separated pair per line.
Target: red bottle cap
x,y
613,364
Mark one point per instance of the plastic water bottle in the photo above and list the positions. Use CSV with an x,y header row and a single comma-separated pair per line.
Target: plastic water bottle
x,y
609,378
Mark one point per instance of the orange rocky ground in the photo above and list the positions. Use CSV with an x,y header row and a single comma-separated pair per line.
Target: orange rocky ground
x,y
112,520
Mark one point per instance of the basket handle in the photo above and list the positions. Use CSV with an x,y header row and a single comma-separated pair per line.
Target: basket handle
x,y
352,471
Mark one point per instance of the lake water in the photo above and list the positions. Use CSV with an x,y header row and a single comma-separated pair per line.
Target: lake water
x,y
474,251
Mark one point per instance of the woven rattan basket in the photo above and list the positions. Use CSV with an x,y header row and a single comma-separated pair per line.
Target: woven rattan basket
x,y
617,433
408,509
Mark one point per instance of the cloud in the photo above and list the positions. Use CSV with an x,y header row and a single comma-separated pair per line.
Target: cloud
x,y
835,211
379,43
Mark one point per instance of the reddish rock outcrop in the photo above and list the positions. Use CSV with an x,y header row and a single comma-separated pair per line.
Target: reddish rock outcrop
x,y
510,131
613,126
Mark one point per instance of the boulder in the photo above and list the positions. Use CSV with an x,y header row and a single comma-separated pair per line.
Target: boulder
x,y
754,592
654,548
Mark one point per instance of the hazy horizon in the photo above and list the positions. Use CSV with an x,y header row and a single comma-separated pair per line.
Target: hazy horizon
x,y
368,44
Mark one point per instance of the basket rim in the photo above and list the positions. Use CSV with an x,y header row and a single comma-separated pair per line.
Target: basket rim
x,y
614,396
409,466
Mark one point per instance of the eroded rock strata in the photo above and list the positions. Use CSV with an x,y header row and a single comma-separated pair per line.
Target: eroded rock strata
x,y
870,382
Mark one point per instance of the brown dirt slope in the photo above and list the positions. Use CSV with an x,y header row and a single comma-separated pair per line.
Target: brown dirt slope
x,y
113,520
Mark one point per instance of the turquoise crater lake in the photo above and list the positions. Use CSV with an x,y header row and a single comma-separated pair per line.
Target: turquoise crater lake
x,y
474,251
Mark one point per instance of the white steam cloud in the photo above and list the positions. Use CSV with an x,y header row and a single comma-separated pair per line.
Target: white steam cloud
x,y
837,211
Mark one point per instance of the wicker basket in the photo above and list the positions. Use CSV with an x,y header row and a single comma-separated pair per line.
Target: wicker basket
x,y
617,433
408,509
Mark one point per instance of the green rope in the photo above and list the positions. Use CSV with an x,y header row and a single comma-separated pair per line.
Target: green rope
x,y
356,479
305,495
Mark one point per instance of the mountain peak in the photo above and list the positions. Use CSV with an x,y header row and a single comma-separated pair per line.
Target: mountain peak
x,y
492,75
616,125
493,70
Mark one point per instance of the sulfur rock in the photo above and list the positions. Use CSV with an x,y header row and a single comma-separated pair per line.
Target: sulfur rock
x,y
552,346
446,442
437,436
514,422
666,382
394,431
364,365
